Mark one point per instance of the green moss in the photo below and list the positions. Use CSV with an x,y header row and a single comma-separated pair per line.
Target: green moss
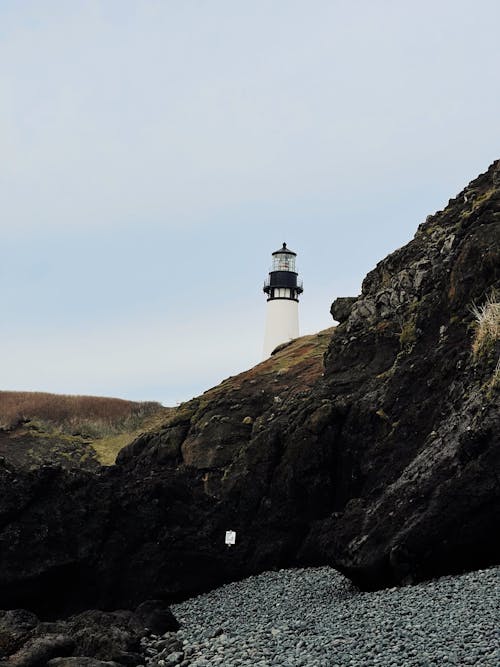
x,y
436,230
482,199
107,449
408,335
182,415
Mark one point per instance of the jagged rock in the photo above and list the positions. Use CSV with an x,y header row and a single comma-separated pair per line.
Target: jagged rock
x,y
174,659
380,461
110,636
15,627
113,637
39,650
341,308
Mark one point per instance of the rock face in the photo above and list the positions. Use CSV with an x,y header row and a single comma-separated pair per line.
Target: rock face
x,y
421,434
383,462
152,525
25,445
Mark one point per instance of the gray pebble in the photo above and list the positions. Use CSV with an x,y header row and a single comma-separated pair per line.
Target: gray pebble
x,y
316,618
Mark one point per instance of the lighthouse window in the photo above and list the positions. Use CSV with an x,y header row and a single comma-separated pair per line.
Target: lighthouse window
x,y
283,262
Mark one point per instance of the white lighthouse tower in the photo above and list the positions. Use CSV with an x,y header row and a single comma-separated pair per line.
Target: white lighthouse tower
x,y
282,288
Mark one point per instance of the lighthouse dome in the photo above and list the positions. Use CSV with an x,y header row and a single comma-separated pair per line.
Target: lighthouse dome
x,y
284,251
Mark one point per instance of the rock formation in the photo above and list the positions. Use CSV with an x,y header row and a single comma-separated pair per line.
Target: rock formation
x,y
92,635
383,462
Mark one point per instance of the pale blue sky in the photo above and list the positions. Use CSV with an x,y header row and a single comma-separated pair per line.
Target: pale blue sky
x,y
154,153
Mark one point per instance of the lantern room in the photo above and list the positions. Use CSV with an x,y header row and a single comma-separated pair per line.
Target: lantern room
x,y
282,282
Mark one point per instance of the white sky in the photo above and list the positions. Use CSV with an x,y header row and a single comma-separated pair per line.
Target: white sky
x,y
154,153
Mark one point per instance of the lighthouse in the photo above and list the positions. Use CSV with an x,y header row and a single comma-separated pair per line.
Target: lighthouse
x,y
282,288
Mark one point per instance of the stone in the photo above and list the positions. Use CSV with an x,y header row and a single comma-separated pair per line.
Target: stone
x,y
109,636
341,308
15,626
80,661
156,615
37,651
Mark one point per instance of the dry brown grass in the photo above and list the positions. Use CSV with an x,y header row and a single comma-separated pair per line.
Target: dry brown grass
x,y
495,378
487,319
89,415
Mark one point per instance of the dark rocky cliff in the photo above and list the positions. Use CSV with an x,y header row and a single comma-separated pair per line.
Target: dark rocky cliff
x,y
420,438
384,463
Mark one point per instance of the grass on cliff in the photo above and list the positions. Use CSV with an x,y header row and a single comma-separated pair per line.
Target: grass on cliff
x,y
495,378
487,319
487,335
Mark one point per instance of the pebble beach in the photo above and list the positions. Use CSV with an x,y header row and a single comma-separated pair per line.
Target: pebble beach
x,y
316,618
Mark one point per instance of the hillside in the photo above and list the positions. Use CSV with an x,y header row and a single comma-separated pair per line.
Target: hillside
x,y
381,460
206,432
39,428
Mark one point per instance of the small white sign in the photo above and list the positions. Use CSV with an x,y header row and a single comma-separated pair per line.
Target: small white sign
x,y
230,537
